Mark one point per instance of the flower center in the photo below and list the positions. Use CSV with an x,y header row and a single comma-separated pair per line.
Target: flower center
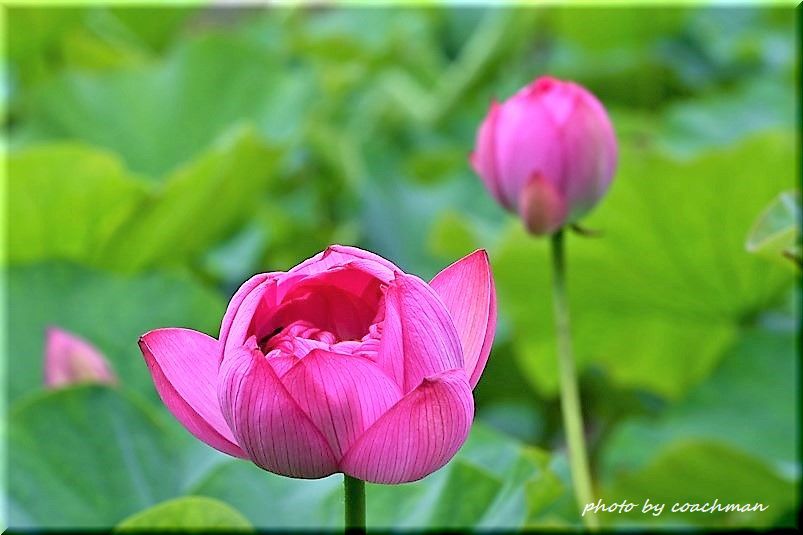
x,y
300,337
284,338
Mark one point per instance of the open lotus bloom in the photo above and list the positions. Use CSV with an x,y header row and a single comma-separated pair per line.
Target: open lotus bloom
x,y
548,153
342,364
71,360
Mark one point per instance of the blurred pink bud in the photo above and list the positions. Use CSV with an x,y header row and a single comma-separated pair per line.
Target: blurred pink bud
x,y
547,153
342,364
71,360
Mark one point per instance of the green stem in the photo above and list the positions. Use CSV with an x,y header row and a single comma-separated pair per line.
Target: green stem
x,y
355,505
569,395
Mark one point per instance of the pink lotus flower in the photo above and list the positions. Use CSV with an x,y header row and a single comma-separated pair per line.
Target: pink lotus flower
x,y
548,153
342,364
71,360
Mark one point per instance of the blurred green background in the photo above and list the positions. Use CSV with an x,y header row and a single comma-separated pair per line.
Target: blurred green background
x,y
158,157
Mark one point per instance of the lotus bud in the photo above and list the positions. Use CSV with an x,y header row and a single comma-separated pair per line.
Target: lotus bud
x,y
71,360
548,153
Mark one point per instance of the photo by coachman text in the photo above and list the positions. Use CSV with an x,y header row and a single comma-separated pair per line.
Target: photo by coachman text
x,y
656,509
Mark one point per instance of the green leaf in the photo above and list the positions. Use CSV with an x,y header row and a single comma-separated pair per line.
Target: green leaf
x,y
159,116
191,513
499,35
426,504
45,40
66,201
733,438
697,124
110,311
269,501
74,202
153,27
197,205
701,472
36,41
760,366
86,456
491,474
776,231
602,29
615,54
520,469
452,236
671,264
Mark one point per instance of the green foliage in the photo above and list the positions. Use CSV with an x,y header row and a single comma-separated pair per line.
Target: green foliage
x,y
191,513
74,202
67,201
95,454
700,473
157,117
671,264
694,125
759,366
110,311
297,504
776,232
160,156
452,236
501,484
196,206
54,39
719,423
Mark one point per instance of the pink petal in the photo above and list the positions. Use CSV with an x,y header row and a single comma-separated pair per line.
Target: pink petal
x,y
418,435
357,277
260,296
236,302
419,338
70,359
282,364
268,423
542,207
467,289
339,255
528,141
557,97
342,394
483,159
183,364
589,137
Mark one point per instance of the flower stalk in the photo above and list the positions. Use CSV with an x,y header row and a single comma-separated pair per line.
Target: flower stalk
x,y
569,394
354,505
